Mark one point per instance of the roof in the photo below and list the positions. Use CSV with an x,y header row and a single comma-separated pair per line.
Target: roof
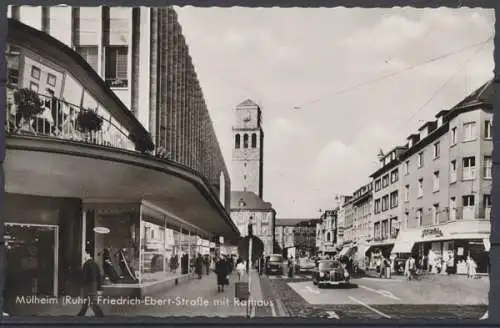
x,y
293,222
248,103
252,201
483,94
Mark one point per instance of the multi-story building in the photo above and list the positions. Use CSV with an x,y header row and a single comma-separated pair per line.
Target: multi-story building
x,y
329,234
284,235
247,172
142,56
386,203
305,237
78,178
342,231
362,202
446,184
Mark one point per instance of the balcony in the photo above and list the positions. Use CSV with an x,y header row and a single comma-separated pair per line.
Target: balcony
x,y
41,115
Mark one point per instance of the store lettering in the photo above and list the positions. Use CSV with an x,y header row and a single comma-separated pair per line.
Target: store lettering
x,y
434,232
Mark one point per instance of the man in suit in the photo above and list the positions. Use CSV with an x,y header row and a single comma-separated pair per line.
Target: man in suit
x,y
91,286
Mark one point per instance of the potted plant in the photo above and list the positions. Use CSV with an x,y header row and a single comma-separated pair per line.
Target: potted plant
x,y
143,142
88,121
28,105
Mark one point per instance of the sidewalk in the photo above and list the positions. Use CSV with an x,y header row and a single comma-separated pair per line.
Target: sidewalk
x,y
198,297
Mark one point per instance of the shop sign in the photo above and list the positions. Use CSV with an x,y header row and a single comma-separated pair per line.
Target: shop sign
x,y
432,232
101,230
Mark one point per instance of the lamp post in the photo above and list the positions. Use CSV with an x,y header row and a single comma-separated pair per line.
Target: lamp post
x,y
250,247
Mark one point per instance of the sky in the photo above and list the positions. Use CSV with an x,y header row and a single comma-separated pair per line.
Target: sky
x,y
321,79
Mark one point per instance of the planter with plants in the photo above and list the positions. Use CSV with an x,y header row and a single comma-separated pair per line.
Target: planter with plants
x,y
143,142
29,106
88,122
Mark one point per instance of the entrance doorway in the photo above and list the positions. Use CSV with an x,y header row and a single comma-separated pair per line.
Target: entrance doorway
x,y
32,259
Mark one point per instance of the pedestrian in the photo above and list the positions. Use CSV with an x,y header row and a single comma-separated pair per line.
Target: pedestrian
x,y
473,268
290,267
221,271
91,286
410,268
261,266
198,265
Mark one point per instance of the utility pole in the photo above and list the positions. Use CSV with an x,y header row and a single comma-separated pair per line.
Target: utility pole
x,y
250,246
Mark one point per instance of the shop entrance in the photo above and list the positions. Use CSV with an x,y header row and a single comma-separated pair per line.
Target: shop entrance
x,y
32,260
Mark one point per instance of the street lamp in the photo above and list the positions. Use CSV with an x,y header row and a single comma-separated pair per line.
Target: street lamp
x,y
250,247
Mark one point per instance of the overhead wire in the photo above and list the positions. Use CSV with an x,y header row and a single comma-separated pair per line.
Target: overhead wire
x,y
390,75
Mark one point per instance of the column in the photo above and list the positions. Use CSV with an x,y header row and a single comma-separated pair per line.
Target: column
x,y
189,252
84,233
181,241
141,253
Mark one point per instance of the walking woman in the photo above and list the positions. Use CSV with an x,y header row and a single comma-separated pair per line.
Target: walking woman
x,y
221,270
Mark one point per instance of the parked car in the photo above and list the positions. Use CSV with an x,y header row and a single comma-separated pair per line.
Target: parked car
x,y
305,265
330,272
275,264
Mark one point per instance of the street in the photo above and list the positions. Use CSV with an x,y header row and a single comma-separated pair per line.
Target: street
x,y
432,297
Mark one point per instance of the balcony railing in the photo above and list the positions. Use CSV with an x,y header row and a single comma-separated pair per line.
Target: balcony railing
x,y
56,118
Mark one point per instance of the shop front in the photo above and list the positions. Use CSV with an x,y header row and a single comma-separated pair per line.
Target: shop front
x,y
377,252
446,248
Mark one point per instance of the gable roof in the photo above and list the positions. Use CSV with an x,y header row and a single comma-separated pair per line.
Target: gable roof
x,y
252,201
248,103
484,94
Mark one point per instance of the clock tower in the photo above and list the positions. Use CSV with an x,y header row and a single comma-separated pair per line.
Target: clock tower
x,y
248,141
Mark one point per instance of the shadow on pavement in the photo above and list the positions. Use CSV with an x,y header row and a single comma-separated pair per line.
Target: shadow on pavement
x,y
344,286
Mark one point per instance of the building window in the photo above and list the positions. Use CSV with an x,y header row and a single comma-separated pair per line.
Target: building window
x,y
117,66
469,164
435,214
468,200
487,206
436,181
469,131
419,217
453,136
245,140
406,167
51,80
244,177
254,140
420,159
394,176
34,86
487,130
468,203
13,55
377,185
385,181
237,141
385,203
436,150
377,206
488,163
420,187
453,171
406,194
405,220
394,199
35,72
90,54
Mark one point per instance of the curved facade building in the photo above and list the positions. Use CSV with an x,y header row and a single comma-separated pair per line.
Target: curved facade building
x,y
76,181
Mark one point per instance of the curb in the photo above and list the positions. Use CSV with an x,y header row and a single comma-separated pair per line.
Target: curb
x,y
281,309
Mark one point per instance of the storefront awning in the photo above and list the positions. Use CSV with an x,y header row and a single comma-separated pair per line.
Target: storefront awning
x,y
345,251
406,240
380,246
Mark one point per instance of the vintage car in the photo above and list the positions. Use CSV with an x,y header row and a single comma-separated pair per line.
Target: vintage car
x,y
330,272
305,264
275,264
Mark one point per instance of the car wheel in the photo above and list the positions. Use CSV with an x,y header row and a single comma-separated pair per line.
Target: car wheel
x,y
320,285
315,282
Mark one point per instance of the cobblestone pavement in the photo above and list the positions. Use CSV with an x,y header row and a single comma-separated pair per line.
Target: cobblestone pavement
x,y
436,297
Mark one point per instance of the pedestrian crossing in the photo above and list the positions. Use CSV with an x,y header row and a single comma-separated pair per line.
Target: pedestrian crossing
x,y
295,277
